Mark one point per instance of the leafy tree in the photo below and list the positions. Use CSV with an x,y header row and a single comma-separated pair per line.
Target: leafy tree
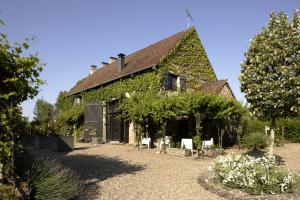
x,y
19,81
63,103
43,115
43,111
270,76
141,108
67,116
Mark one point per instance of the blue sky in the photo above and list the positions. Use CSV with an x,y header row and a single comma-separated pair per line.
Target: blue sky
x,y
73,34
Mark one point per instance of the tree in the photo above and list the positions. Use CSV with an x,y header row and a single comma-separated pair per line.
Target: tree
x,y
63,103
270,75
19,81
43,115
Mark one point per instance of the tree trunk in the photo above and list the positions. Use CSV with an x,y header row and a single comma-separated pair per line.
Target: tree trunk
x,y
222,134
219,137
272,137
164,139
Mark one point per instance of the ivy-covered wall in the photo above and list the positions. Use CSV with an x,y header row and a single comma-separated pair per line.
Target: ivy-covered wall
x,y
189,59
146,82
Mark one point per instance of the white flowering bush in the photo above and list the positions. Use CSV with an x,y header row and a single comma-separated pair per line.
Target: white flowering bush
x,y
253,175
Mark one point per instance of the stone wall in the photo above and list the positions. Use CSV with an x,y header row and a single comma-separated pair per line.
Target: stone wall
x,y
226,92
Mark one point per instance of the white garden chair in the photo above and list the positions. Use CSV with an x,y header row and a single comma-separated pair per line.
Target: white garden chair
x,y
146,141
207,144
187,143
167,141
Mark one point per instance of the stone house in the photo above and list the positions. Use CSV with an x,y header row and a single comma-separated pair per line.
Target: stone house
x,y
175,64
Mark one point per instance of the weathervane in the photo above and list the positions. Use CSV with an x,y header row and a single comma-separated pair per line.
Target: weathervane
x,y
189,16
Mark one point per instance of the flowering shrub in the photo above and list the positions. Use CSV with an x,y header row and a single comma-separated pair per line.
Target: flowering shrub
x,y
253,175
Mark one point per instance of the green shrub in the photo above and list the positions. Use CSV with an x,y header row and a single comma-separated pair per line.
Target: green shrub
x,y
254,125
253,175
78,132
254,140
48,180
292,129
197,142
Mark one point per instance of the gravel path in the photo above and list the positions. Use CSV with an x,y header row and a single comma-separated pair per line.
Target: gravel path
x,y
122,172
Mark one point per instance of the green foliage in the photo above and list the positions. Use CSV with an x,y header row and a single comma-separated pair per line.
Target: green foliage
x,y
143,107
12,126
256,140
43,116
78,132
148,81
189,59
253,175
63,103
49,180
270,76
19,74
67,120
188,54
19,81
43,111
61,119
291,129
197,142
254,125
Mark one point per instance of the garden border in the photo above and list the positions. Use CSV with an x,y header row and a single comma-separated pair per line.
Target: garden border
x,y
234,195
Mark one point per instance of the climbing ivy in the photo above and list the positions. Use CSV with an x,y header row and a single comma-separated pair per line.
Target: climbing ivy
x,y
143,107
146,82
189,59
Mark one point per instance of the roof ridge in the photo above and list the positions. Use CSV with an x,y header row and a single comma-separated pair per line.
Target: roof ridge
x,y
147,47
136,61
168,37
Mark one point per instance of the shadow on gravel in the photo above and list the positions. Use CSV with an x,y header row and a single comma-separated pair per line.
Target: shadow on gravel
x,y
92,169
260,153
84,148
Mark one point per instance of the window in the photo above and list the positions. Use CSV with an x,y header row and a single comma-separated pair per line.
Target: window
x,y
170,81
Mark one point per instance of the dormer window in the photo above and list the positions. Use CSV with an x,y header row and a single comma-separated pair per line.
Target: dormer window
x,y
170,81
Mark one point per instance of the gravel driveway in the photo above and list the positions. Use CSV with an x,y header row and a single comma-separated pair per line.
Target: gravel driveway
x,y
122,172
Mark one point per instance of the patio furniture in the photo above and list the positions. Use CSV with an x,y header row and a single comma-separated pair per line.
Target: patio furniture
x,y
207,144
167,141
146,141
187,143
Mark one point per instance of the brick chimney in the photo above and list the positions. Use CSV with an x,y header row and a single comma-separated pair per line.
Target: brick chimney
x,y
103,64
93,69
112,59
121,62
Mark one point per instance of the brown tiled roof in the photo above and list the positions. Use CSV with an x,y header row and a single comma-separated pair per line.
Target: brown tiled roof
x,y
140,60
215,87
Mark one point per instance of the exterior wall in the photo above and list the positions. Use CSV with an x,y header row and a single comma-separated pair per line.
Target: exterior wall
x,y
189,59
226,92
131,134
